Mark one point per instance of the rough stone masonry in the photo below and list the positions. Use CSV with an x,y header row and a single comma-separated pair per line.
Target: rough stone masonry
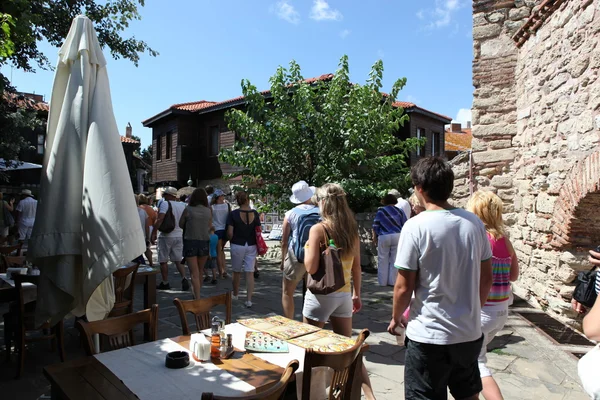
x,y
536,127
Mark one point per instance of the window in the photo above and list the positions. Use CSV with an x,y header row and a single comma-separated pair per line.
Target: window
x,y
214,140
435,144
40,144
158,147
169,145
420,135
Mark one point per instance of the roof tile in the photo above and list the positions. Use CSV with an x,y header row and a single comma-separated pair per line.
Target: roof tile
x,y
458,141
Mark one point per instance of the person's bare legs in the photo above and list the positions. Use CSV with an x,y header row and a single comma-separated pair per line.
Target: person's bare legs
x,y
164,271
491,390
221,257
236,283
148,254
192,263
180,269
313,322
287,297
343,326
249,285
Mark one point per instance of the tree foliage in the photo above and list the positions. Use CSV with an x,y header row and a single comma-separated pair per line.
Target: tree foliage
x,y
324,131
25,23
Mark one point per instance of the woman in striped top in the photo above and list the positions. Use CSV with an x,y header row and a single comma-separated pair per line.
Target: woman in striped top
x,y
388,223
488,207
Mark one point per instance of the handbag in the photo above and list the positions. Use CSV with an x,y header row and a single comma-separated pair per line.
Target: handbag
x,y
168,223
329,277
261,245
589,373
585,291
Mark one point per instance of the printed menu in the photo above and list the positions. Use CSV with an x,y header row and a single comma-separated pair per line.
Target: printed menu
x,y
280,327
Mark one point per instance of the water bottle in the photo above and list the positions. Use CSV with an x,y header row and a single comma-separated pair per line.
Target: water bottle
x,y
332,244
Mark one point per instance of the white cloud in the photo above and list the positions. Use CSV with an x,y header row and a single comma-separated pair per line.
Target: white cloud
x,y
344,34
286,11
321,11
442,14
463,116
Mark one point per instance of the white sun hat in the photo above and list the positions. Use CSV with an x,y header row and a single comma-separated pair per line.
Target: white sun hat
x,y
301,192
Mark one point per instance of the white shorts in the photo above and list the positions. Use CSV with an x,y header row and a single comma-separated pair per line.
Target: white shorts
x,y
243,258
170,248
492,322
25,232
319,307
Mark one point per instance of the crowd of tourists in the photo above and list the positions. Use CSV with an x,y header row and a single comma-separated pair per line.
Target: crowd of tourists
x,y
451,269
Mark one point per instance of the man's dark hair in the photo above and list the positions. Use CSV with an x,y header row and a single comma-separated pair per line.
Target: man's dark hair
x,y
198,197
434,176
209,190
389,200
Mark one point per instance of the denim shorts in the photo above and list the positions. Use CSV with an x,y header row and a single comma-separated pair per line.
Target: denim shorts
x,y
195,248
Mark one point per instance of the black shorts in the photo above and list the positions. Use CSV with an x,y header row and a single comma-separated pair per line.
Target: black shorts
x,y
195,248
430,369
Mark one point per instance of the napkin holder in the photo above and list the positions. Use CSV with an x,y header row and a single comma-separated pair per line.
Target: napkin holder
x,y
200,346
15,271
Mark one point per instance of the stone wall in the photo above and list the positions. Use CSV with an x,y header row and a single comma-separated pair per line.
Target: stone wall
x,y
536,130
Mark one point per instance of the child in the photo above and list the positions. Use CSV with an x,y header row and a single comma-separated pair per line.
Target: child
x,y
212,261
488,207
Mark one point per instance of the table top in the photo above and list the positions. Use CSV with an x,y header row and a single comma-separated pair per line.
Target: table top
x,y
88,376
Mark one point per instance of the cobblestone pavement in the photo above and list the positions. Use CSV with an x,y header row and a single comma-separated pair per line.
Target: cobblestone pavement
x,y
525,363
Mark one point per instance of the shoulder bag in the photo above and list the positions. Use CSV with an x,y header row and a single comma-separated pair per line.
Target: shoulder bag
x,y
329,277
168,223
585,290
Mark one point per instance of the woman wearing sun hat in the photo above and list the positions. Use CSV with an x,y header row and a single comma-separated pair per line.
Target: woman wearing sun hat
x,y
294,271
220,211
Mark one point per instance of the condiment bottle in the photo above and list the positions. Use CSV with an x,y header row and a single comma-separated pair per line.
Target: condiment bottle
x,y
215,340
223,349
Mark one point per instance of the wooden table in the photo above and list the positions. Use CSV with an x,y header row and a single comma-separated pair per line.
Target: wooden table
x,y
148,279
87,378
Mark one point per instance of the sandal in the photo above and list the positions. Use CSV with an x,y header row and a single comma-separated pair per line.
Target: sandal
x,y
224,275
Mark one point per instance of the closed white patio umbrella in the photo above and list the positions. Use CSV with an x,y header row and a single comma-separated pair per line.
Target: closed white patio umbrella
x,y
87,224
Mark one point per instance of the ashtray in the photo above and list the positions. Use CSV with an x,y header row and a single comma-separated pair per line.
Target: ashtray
x,y
177,359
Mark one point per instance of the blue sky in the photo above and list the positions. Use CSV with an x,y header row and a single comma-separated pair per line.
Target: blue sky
x,y
208,46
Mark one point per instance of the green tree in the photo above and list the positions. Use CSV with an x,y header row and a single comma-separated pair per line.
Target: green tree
x,y
25,23
323,131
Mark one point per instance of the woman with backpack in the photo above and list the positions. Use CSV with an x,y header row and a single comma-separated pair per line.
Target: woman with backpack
x,y
296,227
388,223
220,211
338,229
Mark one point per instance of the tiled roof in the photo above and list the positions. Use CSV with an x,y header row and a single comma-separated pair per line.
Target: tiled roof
x,y
27,103
193,105
407,106
458,141
125,139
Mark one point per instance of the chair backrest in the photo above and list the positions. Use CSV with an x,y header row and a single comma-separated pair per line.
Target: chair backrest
x,y
9,250
343,364
14,261
124,290
19,281
118,330
275,392
201,310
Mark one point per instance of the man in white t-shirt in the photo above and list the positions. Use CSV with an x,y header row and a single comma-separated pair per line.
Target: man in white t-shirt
x,y
26,210
444,256
294,271
402,204
170,245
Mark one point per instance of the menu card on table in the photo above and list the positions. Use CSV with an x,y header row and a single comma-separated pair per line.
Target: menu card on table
x,y
324,341
278,326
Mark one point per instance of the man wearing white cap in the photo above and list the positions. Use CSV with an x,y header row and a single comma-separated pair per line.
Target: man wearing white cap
x,y
26,214
170,244
296,226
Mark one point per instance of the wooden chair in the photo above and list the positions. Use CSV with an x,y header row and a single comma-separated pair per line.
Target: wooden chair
x,y
201,310
344,364
9,251
22,320
124,290
118,330
276,392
